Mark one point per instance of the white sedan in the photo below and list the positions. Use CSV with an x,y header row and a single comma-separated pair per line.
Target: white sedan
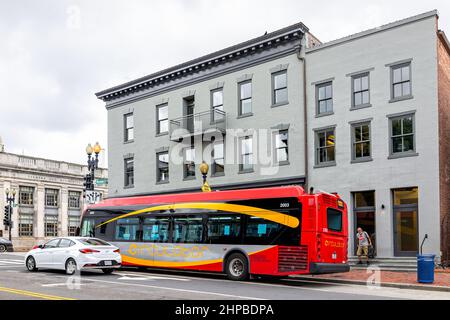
x,y
74,253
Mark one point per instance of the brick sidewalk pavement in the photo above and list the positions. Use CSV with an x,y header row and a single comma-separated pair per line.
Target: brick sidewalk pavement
x,y
441,277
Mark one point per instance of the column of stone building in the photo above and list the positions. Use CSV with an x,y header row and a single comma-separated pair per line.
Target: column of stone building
x,y
63,212
39,233
15,214
2,206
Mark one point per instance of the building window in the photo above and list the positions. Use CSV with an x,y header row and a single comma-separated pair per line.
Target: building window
x,y
402,134
26,196
74,199
361,148
245,98
162,116
246,161
51,225
401,81
163,166
129,172
281,147
189,163
325,146
279,83
218,159
217,105
360,90
129,127
324,97
51,197
25,225
73,224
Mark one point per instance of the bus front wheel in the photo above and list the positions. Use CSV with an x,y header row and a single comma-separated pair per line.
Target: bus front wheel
x,y
237,267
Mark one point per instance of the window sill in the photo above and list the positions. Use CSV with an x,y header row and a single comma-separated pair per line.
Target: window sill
x,y
401,98
324,114
361,106
324,165
279,104
283,163
162,134
246,171
245,115
403,155
218,174
367,159
26,205
162,182
129,187
128,141
189,178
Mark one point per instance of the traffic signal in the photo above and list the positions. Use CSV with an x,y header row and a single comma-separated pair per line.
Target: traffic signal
x,y
7,216
88,182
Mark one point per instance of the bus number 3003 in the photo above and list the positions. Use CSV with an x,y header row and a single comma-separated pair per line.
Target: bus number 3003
x,y
284,205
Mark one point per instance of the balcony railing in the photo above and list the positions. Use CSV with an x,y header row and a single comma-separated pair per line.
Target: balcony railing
x,y
197,123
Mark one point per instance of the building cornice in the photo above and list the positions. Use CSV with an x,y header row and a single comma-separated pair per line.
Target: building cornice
x,y
239,51
422,16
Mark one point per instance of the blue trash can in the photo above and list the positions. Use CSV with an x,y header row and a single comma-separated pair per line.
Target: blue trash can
x,y
425,268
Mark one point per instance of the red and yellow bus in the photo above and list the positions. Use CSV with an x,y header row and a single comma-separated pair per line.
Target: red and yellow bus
x,y
276,231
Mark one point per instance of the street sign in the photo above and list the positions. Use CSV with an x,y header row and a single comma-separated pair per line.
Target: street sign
x,y
93,197
101,181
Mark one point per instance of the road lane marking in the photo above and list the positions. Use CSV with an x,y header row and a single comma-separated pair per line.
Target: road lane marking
x,y
134,276
33,294
59,284
11,262
175,289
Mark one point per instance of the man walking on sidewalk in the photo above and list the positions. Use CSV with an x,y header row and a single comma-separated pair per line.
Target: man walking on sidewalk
x,y
364,242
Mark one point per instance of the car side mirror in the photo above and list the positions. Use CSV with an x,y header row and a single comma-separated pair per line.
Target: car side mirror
x,y
41,246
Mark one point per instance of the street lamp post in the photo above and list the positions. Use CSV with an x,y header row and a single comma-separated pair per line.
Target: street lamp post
x,y
204,168
92,165
10,199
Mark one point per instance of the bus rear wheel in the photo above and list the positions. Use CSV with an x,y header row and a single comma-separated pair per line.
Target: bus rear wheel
x,y
237,267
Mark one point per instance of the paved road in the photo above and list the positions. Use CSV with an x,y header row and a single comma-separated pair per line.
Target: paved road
x,y
17,283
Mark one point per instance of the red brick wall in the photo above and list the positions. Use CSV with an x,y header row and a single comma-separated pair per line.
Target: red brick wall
x,y
444,142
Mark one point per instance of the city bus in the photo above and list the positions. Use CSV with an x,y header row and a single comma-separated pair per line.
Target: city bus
x,y
276,231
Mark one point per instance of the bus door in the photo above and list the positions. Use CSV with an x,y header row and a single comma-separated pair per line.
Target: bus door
x,y
332,229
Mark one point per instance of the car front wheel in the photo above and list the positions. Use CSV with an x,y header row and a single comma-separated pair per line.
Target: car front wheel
x,y
31,264
71,266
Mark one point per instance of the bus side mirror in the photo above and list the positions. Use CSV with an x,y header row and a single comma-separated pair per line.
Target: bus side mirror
x,y
77,232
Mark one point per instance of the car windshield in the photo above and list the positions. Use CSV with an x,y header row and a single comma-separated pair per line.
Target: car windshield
x,y
93,242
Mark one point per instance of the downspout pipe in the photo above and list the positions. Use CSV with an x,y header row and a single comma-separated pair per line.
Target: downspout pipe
x,y
305,115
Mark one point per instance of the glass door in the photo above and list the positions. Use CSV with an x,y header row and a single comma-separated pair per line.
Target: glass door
x,y
364,216
405,214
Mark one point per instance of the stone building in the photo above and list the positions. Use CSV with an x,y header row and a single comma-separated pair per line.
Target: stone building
x,y
49,197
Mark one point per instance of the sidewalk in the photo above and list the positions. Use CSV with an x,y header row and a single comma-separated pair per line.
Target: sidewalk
x,y
398,279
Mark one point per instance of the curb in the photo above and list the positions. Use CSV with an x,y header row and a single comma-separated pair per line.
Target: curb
x,y
382,284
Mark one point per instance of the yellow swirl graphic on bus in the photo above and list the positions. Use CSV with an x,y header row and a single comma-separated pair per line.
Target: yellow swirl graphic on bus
x,y
270,215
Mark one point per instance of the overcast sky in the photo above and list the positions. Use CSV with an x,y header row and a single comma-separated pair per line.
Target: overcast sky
x,y
55,54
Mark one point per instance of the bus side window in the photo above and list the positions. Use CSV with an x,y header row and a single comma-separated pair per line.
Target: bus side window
x,y
188,229
156,229
127,229
223,228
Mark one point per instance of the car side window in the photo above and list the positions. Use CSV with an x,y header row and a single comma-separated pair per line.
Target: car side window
x,y
65,243
51,244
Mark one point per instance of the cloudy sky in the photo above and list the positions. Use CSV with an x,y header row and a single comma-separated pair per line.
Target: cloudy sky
x,y
55,54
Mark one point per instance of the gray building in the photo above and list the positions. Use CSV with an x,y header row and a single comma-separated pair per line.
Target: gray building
x,y
365,116
48,197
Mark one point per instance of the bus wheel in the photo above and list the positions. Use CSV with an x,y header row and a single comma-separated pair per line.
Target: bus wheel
x,y
237,267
